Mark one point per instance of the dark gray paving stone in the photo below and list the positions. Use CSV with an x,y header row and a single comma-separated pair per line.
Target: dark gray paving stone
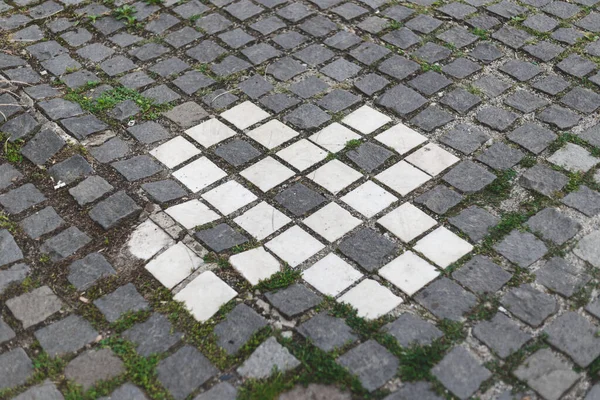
x,y
576,65
221,237
70,170
259,53
567,35
547,373
66,336
544,51
469,177
230,65
525,101
594,393
430,83
161,94
6,333
368,248
238,327
123,300
169,66
457,10
268,25
184,371
191,8
34,307
213,23
415,391
314,54
318,26
187,114
432,53
307,116
371,83
592,135
559,116
501,334
255,86
94,366
543,180
460,100
60,108
278,102
138,167
192,81
342,40
341,70
20,126
584,200
293,300
289,40
491,86
520,70
10,250
126,391
148,51
562,277
237,152
512,37
423,23
532,137
26,74
8,176
475,222
182,37
496,118
521,248
458,37
401,100
219,99
409,330
125,111
41,223
286,68
268,356
500,156
445,299
154,336
161,24
117,65
15,368
465,138
110,212
45,391
61,64
372,363
165,190
65,244
373,24
84,273
294,12
15,274
561,9
461,373
21,199
42,147
299,199
327,332
402,38
10,106
399,67
562,331
439,199
553,225
42,51
582,100
90,190
481,275
369,53
338,100
220,391
529,305
205,52
309,87
110,150
82,127
461,68
369,156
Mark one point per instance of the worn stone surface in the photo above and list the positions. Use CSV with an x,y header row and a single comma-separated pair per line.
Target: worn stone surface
x,y
66,336
239,326
460,372
372,363
184,371
269,355
93,366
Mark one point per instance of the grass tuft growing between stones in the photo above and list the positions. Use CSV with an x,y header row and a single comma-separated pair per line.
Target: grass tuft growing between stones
x,y
11,151
279,280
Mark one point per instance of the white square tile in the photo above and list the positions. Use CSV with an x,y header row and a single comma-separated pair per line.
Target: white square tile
x,y
334,176
407,222
294,246
302,154
369,199
174,152
174,265
272,134
267,173
403,177
210,132
443,247
409,272
366,120
245,115
229,197
262,220
199,174
334,137
192,213
371,299
255,265
147,240
401,138
331,275
432,159
332,222
205,295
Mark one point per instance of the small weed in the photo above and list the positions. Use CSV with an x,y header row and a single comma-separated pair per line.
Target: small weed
x,y
430,67
582,297
279,280
575,181
6,223
195,17
221,261
45,258
520,277
353,144
154,2
393,25
265,389
528,162
129,319
482,33
126,13
11,150
330,156
485,310
499,190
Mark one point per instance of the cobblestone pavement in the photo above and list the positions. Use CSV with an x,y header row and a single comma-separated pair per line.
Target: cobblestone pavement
x,y
264,199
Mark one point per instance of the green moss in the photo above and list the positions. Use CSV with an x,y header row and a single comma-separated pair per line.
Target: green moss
x,y
279,280
353,144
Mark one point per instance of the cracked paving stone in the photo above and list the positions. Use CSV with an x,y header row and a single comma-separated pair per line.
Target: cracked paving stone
x,y
238,327
460,372
445,299
521,248
66,336
21,199
34,307
15,368
123,300
326,332
268,356
10,250
84,273
475,222
543,180
408,330
110,212
553,225
584,200
93,366
469,177
481,275
41,223
562,277
547,373
372,363
529,304
501,334
368,248
293,300
154,336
